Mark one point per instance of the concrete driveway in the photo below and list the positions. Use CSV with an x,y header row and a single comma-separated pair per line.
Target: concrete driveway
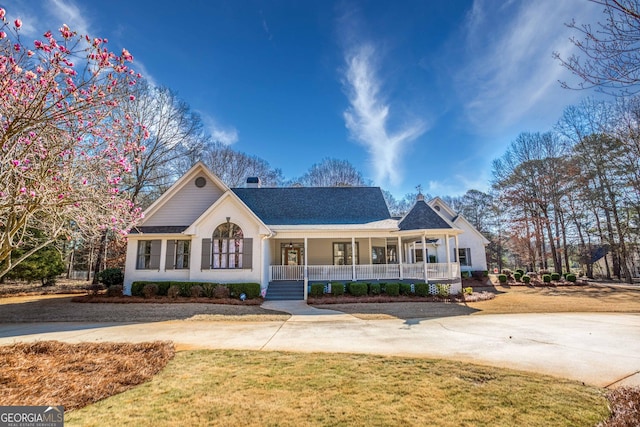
x,y
595,348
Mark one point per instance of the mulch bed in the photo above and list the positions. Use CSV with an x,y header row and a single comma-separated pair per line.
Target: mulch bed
x,y
625,407
102,298
51,373
349,299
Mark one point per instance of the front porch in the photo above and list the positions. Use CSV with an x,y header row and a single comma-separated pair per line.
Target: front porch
x,y
357,272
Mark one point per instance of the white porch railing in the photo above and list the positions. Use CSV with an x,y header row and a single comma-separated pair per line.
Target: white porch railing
x,y
439,271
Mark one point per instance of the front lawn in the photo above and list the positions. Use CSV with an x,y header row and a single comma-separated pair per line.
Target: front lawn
x,y
293,389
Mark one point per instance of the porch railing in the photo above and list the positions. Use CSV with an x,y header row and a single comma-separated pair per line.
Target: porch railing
x,y
439,271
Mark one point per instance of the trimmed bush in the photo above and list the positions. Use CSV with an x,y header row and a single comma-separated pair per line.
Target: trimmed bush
x,y
526,279
555,276
111,276
507,273
443,289
392,289
465,274
337,289
521,271
571,277
546,278
196,291
251,290
317,289
150,290
485,273
502,278
374,288
221,292
467,291
422,289
357,289
208,289
478,274
114,291
517,275
405,289
173,291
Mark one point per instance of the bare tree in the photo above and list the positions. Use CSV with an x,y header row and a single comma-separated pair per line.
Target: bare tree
x,y
234,167
331,173
611,49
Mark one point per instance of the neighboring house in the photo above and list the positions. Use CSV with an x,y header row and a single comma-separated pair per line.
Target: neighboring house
x,y
201,230
601,257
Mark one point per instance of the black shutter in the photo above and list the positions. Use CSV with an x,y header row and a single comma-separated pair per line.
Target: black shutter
x,y
154,261
205,261
247,253
169,261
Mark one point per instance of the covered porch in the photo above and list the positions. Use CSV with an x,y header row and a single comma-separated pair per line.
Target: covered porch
x,y
376,256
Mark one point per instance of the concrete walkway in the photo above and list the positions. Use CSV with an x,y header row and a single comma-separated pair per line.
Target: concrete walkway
x,y
598,349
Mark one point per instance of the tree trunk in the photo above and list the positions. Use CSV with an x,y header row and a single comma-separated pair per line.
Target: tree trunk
x,y
99,257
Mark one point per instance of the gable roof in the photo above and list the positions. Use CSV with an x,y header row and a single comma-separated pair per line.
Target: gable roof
x,y
315,205
423,217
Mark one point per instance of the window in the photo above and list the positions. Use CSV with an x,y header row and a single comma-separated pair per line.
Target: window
x,y
377,255
464,256
417,255
228,246
342,254
392,254
178,252
148,255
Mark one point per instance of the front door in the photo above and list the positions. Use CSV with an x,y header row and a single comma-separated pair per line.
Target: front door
x,y
293,256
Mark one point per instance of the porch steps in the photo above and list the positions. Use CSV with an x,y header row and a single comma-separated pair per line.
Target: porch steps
x,y
285,291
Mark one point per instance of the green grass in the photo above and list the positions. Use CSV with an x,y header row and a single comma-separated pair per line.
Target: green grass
x,y
294,389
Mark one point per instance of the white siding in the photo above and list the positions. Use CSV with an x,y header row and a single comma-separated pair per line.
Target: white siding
x,y
186,205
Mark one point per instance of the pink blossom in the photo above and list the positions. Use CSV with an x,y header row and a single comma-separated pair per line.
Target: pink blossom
x,y
15,163
2,13
17,23
126,55
32,193
65,31
23,190
132,98
60,196
3,34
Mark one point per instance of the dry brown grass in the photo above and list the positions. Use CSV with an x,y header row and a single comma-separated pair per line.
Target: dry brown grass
x,y
75,375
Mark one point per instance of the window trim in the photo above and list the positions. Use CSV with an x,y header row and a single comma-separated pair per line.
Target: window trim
x,y
345,256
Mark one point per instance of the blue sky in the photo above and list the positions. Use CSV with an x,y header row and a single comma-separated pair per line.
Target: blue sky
x,y
410,92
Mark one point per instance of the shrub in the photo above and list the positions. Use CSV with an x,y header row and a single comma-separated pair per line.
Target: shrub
x,y
337,289
136,288
405,289
392,289
208,289
526,279
571,277
173,291
467,291
111,276
546,278
422,289
502,278
478,274
251,290
443,289
114,291
507,273
221,292
374,288
317,289
358,289
150,290
196,291
521,271
485,273
517,275
555,276
465,274
94,289
163,287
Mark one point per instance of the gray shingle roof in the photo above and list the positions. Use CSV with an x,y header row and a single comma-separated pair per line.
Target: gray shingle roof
x,y
315,205
421,217
159,229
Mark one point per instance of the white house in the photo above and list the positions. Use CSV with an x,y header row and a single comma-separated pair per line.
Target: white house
x,y
201,230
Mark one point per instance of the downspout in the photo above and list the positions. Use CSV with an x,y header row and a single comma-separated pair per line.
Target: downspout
x,y
306,270
424,256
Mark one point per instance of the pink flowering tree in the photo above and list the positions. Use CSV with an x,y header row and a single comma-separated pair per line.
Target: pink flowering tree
x,y
64,152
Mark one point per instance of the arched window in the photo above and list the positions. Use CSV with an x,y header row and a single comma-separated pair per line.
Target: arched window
x,y
227,246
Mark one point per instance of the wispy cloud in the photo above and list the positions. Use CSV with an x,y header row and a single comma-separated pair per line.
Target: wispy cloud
x,y
367,117
508,72
225,134
69,13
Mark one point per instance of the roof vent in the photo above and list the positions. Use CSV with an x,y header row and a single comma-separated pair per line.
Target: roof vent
x,y
420,197
253,182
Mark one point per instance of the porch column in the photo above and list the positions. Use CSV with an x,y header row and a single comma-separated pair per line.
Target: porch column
x,y
306,271
424,258
458,256
353,259
446,240
400,250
